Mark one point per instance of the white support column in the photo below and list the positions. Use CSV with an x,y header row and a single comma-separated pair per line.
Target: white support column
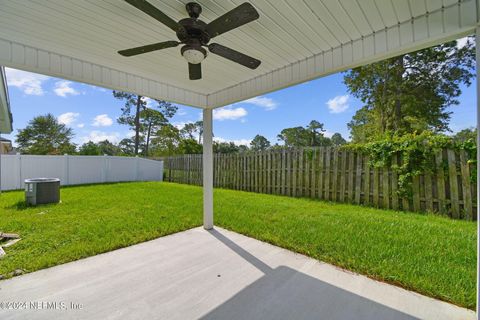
x,y
477,53
207,169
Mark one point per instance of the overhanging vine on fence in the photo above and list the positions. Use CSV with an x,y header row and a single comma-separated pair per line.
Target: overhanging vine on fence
x,y
416,152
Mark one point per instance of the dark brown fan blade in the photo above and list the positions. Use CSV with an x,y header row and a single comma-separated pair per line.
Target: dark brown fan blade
x,y
155,13
195,71
234,55
235,18
148,48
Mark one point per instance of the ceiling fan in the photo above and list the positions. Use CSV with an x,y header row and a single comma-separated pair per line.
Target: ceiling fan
x,y
195,34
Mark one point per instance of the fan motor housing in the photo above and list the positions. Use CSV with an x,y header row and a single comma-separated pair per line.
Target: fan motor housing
x,y
193,9
193,29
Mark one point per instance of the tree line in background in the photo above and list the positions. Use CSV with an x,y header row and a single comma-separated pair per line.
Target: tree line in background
x,y
154,135
405,96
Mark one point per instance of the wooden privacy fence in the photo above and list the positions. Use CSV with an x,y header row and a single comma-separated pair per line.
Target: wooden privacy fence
x,y
337,175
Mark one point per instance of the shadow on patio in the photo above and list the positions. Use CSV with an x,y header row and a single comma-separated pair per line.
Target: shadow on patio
x,y
217,274
285,293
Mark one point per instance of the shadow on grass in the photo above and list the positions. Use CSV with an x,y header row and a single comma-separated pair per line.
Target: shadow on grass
x,y
19,205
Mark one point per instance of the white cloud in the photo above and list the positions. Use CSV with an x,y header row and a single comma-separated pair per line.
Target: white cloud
x,y
68,118
181,112
338,104
102,120
238,142
80,125
150,102
264,102
96,88
29,83
97,136
179,124
229,113
64,88
327,133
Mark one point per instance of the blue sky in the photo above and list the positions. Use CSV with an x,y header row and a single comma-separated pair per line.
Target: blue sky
x,y
92,111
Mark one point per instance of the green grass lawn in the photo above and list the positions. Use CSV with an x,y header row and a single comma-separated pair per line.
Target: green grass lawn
x,y
433,255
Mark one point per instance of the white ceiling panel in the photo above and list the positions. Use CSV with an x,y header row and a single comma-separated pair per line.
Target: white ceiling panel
x,y
296,40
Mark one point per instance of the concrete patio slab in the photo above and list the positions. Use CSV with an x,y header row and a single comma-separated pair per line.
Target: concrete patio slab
x,y
199,274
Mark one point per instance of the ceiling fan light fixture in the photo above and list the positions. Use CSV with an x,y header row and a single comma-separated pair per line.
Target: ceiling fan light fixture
x,y
194,55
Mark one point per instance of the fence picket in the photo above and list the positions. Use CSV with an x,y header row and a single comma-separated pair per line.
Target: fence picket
x,y
466,190
375,187
394,184
358,179
321,165
385,188
327,174
367,181
428,192
334,175
452,177
351,171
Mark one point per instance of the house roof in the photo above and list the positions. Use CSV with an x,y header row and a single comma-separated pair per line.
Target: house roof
x,y
5,114
295,40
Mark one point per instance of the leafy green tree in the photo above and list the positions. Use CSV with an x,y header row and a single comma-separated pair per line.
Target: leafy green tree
x,y
311,136
337,139
151,119
101,148
466,135
243,148
189,130
225,147
189,146
45,135
259,143
166,140
294,137
411,92
89,148
199,125
131,114
316,132
108,148
127,146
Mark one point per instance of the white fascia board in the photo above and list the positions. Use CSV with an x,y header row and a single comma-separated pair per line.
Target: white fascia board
x,y
445,24
5,114
27,58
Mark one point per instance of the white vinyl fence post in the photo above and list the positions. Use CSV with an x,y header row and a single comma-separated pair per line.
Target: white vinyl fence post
x,y
207,169
66,179
18,161
105,169
137,167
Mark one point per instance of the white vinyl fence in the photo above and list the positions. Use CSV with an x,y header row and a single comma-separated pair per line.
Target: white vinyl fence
x,y
77,169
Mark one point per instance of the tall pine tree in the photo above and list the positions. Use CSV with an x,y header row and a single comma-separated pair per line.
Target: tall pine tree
x,y
411,92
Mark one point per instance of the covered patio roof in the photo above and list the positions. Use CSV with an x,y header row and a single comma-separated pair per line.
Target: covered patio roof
x,y
295,40
5,114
